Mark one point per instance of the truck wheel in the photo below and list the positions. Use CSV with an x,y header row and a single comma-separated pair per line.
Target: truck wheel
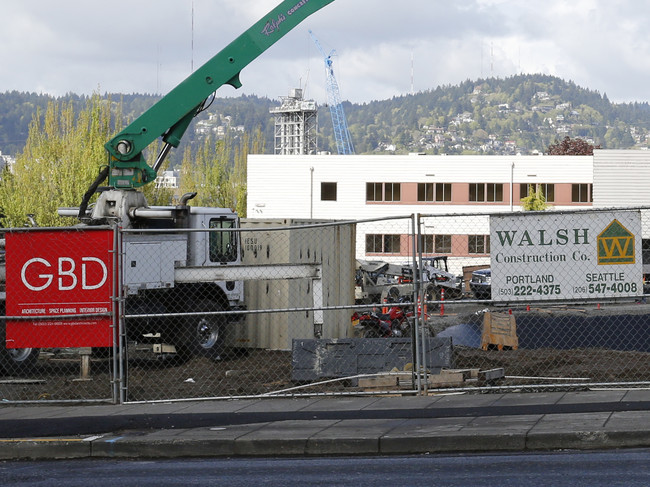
x,y
203,334
393,295
16,361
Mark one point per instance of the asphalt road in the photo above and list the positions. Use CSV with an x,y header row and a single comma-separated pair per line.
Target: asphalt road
x,y
630,468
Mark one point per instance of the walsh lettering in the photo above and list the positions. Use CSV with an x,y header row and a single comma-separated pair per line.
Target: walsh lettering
x,y
562,236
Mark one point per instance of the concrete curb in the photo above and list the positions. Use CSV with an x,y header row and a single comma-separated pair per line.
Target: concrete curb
x,y
320,438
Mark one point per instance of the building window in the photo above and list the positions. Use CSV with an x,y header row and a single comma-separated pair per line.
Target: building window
x,y
383,244
383,191
480,192
548,190
478,244
374,191
392,244
581,193
476,192
392,191
443,191
442,244
328,191
373,244
439,192
494,192
425,191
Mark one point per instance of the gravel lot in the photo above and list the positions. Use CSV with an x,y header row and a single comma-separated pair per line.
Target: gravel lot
x,y
57,375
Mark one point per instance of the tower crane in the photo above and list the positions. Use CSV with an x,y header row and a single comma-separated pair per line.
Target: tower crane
x,y
339,122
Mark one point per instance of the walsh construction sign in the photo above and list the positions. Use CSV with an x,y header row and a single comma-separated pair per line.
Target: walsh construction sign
x,y
566,256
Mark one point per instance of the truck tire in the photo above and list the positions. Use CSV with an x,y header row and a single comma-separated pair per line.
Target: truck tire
x,y
19,361
202,334
393,295
16,361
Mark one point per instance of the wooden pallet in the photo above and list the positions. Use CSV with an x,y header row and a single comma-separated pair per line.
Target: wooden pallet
x,y
391,381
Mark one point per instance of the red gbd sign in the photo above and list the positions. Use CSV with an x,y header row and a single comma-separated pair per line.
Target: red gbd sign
x,y
53,275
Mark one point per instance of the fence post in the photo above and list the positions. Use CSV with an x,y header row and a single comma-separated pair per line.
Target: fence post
x,y
416,236
119,347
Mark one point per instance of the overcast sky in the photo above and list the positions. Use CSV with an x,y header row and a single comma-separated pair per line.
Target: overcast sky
x,y
384,48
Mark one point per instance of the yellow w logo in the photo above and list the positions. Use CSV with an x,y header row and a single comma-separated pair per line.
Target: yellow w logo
x,y
616,245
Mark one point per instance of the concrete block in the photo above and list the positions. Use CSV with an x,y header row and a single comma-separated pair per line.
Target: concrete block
x,y
334,358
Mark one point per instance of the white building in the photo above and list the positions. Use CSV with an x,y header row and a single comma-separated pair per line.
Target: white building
x,y
6,161
168,179
375,186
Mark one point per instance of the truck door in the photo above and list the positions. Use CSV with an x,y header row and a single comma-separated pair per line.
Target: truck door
x,y
223,245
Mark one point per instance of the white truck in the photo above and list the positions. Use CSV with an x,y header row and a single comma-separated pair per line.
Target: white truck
x,y
194,276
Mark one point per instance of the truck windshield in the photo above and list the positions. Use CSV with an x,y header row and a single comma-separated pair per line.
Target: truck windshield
x,y
223,245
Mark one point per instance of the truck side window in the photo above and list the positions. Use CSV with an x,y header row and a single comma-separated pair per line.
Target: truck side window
x,y
223,245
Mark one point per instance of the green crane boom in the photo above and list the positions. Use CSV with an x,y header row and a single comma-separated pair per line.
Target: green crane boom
x,y
170,117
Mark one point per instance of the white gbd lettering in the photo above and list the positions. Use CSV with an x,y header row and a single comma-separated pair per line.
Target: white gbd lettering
x,y
66,278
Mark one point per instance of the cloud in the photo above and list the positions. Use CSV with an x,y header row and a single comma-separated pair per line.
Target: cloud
x,y
150,46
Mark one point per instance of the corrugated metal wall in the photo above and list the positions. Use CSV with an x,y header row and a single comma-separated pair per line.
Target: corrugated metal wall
x,y
621,178
333,247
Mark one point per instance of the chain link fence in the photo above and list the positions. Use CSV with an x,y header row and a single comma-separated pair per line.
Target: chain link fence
x,y
403,305
551,298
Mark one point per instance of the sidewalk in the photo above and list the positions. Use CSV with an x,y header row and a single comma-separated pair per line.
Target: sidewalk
x,y
330,426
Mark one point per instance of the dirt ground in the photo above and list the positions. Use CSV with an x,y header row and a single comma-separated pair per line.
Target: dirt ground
x,y
263,372
58,375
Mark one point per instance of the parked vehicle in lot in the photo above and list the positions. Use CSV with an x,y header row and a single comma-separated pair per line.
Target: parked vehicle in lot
x,y
376,277
437,276
481,284
378,280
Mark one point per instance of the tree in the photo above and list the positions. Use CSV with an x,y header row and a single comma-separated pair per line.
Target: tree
x,y
571,147
157,195
62,157
238,179
535,201
206,172
60,160
217,171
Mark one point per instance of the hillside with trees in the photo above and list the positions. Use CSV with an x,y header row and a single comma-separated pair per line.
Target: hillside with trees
x,y
520,114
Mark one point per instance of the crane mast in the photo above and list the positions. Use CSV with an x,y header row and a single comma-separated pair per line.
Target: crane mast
x,y
339,122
